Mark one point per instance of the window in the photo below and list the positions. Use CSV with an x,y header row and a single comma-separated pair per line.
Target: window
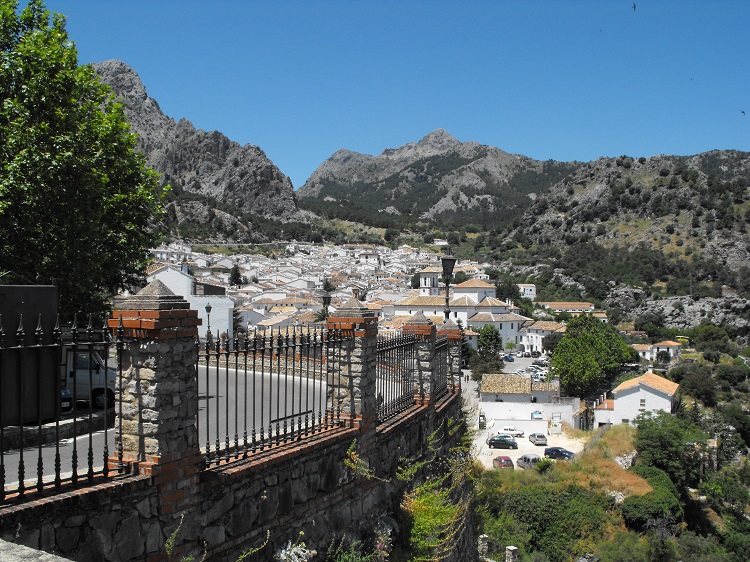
x,y
642,406
625,421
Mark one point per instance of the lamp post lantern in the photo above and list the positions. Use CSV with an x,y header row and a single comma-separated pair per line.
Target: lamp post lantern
x,y
208,323
326,296
448,262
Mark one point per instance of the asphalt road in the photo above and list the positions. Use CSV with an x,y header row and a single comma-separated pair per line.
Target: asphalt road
x,y
276,404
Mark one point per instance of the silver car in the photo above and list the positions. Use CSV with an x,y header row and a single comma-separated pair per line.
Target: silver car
x,y
527,461
538,439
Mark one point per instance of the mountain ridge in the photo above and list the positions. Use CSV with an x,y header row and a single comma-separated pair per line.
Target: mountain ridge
x,y
197,161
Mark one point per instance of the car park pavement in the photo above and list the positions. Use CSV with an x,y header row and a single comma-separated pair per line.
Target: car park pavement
x,y
485,454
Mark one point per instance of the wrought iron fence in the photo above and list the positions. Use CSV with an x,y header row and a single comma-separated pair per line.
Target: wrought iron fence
x,y
262,390
56,390
395,385
440,374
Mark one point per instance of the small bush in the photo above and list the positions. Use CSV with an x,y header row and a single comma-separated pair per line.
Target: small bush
x,y
637,510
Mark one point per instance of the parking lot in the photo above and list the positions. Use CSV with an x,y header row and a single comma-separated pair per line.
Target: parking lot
x,y
485,454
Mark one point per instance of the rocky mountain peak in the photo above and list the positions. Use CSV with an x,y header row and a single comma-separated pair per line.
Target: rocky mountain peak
x,y
193,160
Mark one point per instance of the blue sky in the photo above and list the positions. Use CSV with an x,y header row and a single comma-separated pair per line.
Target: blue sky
x,y
562,80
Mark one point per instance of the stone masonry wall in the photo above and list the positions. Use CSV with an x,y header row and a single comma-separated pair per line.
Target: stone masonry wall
x,y
308,488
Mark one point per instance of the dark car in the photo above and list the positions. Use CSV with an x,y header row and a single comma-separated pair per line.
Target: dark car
x,y
66,400
503,461
536,354
508,358
559,453
502,442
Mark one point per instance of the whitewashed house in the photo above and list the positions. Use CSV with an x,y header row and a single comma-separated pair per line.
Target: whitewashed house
x,y
647,393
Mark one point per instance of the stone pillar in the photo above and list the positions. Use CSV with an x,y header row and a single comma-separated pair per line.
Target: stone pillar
x,y
422,327
483,546
157,424
455,340
353,388
511,554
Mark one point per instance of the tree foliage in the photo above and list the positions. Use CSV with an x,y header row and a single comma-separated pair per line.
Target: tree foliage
x,y
671,444
589,350
76,198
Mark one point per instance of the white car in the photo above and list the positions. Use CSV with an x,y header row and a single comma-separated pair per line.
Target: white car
x,y
512,430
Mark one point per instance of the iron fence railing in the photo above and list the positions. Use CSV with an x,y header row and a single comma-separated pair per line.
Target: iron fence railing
x,y
440,373
57,387
395,385
59,396
262,390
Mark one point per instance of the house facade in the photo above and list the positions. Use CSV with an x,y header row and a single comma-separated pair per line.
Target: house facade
x,y
647,393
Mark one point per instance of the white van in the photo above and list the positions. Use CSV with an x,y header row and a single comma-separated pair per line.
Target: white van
x,y
86,376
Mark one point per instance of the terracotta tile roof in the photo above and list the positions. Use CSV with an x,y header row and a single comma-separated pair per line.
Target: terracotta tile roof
x,y
566,305
668,343
474,284
641,346
502,383
547,326
608,404
492,301
432,269
418,300
651,380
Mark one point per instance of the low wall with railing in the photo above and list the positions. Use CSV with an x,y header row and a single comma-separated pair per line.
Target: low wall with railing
x,y
245,446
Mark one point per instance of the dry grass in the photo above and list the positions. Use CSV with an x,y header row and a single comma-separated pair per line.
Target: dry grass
x,y
597,467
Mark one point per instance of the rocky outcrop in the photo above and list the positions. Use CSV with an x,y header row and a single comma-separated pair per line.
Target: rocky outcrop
x,y
728,311
437,176
193,160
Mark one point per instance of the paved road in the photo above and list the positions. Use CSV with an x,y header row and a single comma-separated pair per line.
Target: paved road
x,y
279,401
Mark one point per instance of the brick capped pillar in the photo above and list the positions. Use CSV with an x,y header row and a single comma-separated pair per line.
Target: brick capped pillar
x,y
353,376
455,339
157,424
422,327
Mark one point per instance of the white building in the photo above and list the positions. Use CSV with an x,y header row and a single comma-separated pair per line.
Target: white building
x,y
647,393
183,284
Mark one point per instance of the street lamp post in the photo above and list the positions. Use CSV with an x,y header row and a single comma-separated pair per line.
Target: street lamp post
x,y
448,262
326,296
208,323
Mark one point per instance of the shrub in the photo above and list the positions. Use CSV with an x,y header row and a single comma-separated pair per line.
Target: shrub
x,y
637,510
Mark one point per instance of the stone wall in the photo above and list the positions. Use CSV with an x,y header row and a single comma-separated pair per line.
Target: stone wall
x,y
221,511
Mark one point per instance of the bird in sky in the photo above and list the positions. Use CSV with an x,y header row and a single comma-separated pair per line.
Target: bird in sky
x,y
634,6
743,113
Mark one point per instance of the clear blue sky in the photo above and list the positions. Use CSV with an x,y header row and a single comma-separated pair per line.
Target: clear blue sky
x,y
562,80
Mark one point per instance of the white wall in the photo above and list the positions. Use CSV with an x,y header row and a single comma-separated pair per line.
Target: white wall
x,y
628,403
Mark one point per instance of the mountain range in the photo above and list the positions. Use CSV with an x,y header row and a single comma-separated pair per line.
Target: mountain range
x,y
613,230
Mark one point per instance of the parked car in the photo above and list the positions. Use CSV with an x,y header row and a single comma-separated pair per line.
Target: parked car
x,y
66,400
512,430
502,442
528,460
559,453
527,354
508,358
519,354
536,354
538,438
503,461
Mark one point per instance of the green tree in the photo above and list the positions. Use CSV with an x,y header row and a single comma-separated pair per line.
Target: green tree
x,y
489,340
589,351
235,276
672,444
76,199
